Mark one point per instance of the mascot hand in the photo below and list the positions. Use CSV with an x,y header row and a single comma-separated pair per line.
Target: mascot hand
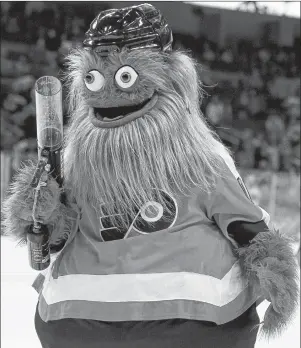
x,y
269,263
18,206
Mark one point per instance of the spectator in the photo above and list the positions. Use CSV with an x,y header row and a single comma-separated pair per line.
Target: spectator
x,y
242,116
264,55
275,128
23,84
208,56
246,153
256,78
258,143
33,12
11,131
215,111
242,99
256,101
285,155
292,106
227,119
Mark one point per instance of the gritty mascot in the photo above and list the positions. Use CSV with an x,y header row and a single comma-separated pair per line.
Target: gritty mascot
x,y
165,247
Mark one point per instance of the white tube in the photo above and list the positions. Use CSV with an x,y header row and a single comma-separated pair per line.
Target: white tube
x,y
48,92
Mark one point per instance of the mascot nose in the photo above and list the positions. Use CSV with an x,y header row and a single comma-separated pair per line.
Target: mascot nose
x,y
126,78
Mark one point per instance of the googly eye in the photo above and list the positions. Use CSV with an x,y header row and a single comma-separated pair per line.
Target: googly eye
x,y
126,77
94,80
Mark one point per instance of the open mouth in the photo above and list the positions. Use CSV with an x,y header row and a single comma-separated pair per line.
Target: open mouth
x,y
118,116
109,114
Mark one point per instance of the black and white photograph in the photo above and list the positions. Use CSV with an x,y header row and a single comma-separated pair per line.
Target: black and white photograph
x,y
150,174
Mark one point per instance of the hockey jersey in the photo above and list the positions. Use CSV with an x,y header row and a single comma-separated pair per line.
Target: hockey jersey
x,y
178,263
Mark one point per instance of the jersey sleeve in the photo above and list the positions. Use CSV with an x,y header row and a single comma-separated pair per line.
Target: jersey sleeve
x,y
232,208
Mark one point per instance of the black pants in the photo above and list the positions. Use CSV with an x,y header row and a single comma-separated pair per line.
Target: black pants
x,y
173,333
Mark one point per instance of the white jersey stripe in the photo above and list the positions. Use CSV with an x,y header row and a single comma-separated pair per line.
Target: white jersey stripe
x,y
145,287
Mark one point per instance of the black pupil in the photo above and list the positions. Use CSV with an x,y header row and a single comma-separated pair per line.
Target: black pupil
x,y
89,78
125,77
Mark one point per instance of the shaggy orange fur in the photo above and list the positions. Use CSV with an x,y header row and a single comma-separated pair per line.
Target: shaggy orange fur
x,y
270,263
17,208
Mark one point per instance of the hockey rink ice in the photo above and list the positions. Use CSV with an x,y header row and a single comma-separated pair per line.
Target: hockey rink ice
x,y
18,302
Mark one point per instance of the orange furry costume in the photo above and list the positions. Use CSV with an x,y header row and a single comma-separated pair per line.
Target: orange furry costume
x,y
162,235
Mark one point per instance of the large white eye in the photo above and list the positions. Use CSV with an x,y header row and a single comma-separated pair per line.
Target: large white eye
x,y
94,80
125,77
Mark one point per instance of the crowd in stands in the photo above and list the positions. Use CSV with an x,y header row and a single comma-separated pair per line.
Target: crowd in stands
x,y
263,131
269,61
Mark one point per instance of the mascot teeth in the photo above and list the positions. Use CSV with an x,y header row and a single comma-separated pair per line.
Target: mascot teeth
x,y
110,119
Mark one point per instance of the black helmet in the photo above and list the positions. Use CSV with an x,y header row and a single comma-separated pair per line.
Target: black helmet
x,y
134,27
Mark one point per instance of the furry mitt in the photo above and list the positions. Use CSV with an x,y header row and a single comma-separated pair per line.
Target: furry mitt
x,y
17,208
270,263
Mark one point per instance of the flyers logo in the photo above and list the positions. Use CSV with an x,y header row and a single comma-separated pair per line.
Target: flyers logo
x,y
150,218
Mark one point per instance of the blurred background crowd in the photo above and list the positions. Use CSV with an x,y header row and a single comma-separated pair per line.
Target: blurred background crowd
x,y
249,68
